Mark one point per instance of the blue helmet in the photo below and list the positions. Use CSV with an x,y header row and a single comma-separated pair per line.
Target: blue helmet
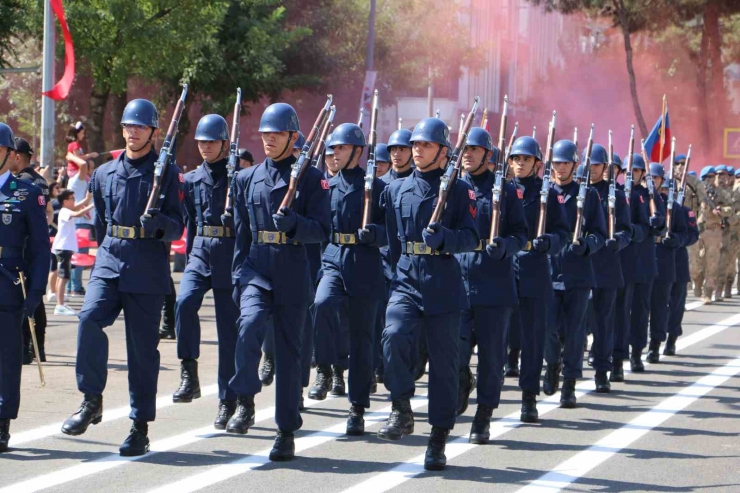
x,y
279,117
381,153
140,112
479,137
722,168
347,134
526,146
564,151
598,155
300,141
731,170
431,130
707,170
617,160
638,162
400,138
693,173
656,169
580,172
7,139
212,127
680,157
494,155
329,149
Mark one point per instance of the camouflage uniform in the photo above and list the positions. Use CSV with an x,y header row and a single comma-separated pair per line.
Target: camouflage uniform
x,y
695,196
711,241
733,248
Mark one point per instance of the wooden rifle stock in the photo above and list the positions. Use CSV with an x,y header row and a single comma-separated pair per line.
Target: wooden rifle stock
x,y
583,189
321,146
233,164
498,184
612,201
367,211
546,178
630,164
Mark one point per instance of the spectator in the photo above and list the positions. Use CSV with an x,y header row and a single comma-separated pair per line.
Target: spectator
x,y
55,205
65,243
79,185
76,157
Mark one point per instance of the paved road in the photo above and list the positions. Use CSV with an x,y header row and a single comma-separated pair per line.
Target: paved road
x,y
674,428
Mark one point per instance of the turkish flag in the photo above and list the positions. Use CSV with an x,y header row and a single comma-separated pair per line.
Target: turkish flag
x,y
61,89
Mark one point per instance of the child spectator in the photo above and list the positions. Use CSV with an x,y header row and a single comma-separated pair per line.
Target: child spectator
x,y
56,206
76,157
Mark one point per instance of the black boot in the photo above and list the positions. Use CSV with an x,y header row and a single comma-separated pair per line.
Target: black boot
x,y
338,386
479,431
400,422
226,410
284,448
636,361
421,362
617,371
243,417
373,384
90,412
602,383
189,382
551,380
568,394
301,405
380,374
28,354
166,332
267,370
435,459
4,434
529,408
512,363
322,384
137,442
356,420
653,355
464,389
670,345
41,339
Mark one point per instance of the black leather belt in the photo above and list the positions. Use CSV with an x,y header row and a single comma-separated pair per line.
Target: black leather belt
x,y
11,252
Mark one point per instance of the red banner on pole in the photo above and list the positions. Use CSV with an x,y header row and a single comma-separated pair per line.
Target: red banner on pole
x,y
61,89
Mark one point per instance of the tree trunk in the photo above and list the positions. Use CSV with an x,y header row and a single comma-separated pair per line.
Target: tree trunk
x,y
117,105
624,24
98,102
718,100
701,90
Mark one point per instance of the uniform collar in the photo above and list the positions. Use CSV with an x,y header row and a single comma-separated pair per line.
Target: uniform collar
x,y
4,178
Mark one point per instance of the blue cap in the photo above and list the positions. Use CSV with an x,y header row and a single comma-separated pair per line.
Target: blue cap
x,y
693,173
722,168
212,127
680,157
381,153
731,170
707,170
279,117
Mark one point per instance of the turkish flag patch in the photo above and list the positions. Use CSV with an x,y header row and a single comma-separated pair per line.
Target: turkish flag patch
x,y
181,195
561,199
325,184
520,194
181,178
42,200
473,211
471,194
692,214
642,199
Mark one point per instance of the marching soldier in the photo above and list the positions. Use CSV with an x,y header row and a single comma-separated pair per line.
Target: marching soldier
x,y
210,248
731,239
132,273
535,285
271,273
24,250
427,287
694,196
488,274
713,216
382,160
572,276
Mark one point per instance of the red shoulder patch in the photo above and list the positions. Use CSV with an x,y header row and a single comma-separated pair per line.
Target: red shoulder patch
x,y
692,214
181,195
42,200
325,184
520,194
561,199
181,178
473,211
471,194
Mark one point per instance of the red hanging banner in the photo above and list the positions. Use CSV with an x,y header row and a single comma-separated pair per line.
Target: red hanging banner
x,y
61,89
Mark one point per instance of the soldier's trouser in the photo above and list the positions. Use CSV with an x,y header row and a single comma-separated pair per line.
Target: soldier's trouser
x,y
360,316
514,338
11,349
39,317
569,311
659,300
712,239
403,322
533,313
380,325
168,310
604,303
622,311
268,346
724,253
730,264
696,263
486,326
141,313
677,308
257,307
193,288
639,317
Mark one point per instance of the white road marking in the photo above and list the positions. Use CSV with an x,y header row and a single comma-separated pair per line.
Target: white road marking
x,y
569,471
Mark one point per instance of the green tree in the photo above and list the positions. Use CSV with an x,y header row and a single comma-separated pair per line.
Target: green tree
x,y
17,22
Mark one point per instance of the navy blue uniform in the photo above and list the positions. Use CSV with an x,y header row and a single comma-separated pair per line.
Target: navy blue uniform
x,y
534,282
427,287
24,247
272,275
677,306
351,276
573,278
131,273
666,257
210,249
491,287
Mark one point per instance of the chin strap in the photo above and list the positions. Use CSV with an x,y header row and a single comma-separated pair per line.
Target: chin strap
x,y
145,143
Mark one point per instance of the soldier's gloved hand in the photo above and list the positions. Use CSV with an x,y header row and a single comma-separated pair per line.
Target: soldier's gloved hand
x,y
612,244
671,242
154,224
434,239
32,302
367,235
657,222
497,249
285,220
578,248
541,244
227,220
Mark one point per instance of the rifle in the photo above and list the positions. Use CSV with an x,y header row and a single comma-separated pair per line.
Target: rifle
x,y
583,188
671,191
436,115
321,147
233,151
682,188
508,149
630,163
453,169
498,184
165,153
362,116
575,137
546,177
367,212
649,180
612,220
301,165
534,132
400,123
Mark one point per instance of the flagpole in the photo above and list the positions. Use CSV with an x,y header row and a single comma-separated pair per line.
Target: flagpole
x,y
662,130
47,83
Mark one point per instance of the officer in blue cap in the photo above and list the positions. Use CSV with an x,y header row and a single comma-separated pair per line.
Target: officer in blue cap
x,y
210,247
535,285
639,269
572,274
24,251
351,274
427,287
489,269
132,273
665,253
382,160
271,273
